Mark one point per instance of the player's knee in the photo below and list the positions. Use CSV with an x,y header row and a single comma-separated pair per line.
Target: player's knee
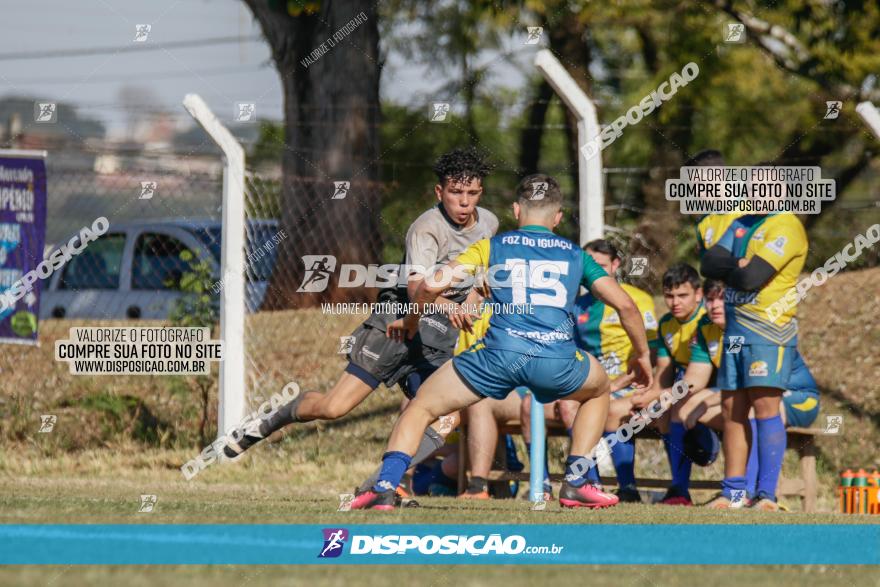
x,y
332,410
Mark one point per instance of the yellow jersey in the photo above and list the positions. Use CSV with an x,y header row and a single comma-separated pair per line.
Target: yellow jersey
x,y
599,332
674,337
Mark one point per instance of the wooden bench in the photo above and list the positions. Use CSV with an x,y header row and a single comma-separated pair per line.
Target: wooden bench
x,y
801,440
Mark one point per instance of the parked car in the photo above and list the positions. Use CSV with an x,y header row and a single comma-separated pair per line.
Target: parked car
x,y
133,271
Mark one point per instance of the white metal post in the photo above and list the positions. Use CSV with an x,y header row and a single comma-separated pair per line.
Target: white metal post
x,y
870,115
232,309
590,182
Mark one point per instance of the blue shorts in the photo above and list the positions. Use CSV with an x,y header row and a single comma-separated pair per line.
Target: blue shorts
x,y
756,365
495,373
801,408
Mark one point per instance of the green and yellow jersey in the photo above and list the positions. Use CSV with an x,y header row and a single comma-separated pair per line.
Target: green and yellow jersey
x,y
706,346
480,325
674,337
781,241
711,227
599,332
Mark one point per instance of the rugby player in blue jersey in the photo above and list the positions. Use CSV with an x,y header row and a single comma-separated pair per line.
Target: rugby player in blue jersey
x,y
532,269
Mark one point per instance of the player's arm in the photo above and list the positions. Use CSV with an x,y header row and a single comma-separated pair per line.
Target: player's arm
x,y
450,275
607,290
781,244
699,370
664,378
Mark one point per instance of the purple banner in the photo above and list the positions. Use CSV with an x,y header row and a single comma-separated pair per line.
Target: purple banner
x,y
22,236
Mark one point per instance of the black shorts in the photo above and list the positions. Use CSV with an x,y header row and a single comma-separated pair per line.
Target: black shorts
x,y
375,358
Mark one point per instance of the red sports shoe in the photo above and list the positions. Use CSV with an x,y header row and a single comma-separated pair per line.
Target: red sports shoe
x,y
673,497
585,496
371,500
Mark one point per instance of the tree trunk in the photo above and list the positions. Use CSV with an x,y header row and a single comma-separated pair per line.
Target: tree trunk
x,y
331,118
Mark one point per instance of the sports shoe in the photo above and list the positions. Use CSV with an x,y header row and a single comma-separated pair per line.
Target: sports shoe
x,y
251,435
478,495
400,494
587,495
548,494
721,502
628,494
372,500
675,497
764,505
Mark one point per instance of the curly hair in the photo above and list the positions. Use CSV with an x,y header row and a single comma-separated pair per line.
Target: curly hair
x,y
461,165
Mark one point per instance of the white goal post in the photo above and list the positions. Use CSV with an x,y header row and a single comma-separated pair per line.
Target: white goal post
x,y
870,115
231,390
591,188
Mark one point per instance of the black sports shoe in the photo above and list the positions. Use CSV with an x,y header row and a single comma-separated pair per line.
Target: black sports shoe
x,y
629,494
251,435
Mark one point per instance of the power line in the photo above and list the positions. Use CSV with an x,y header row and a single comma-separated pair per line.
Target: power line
x,y
132,48
146,76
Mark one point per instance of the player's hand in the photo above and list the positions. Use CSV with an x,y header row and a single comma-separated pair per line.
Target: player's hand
x,y
461,318
403,329
643,373
742,262
644,398
622,382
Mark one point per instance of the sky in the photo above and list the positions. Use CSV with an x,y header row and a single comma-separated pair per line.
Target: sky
x,y
222,74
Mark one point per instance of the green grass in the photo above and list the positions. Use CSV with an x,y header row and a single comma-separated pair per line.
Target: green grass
x,y
437,576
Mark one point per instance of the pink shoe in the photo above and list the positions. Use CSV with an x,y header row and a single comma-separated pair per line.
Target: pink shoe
x,y
370,500
585,496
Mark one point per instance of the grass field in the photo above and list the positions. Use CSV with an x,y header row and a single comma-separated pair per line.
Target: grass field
x,y
119,438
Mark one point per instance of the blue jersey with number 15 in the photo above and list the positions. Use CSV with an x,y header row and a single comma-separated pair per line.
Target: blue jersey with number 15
x,y
534,277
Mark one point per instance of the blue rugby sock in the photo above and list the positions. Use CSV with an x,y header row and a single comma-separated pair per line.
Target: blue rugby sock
x,y
679,464
771,451
576,476
394,465
623,454
731,484
753,463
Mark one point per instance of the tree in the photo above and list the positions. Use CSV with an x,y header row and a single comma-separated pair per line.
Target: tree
x,y
327,56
